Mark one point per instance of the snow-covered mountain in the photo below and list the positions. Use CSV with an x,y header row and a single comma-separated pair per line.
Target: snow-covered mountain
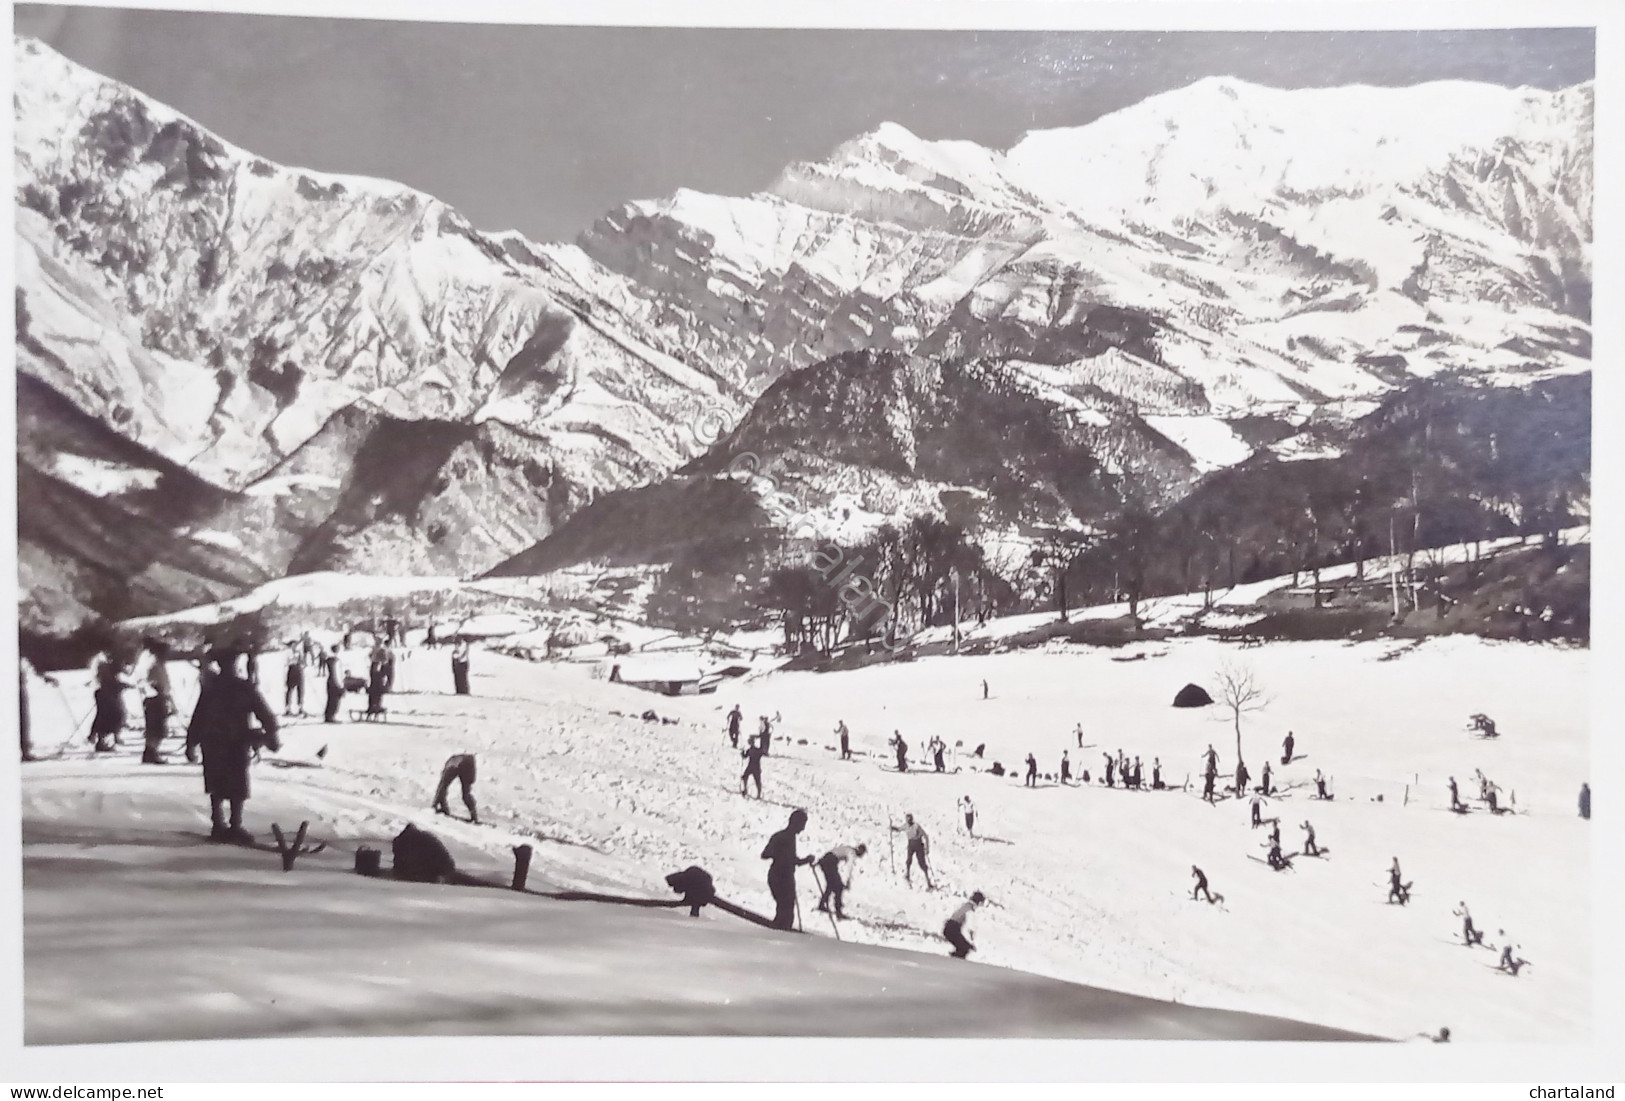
x,y
367,379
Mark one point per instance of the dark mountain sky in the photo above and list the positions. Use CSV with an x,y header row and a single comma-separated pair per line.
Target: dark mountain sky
x,y
542,129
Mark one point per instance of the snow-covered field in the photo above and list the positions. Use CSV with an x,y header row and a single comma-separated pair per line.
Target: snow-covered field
x,y
1090,885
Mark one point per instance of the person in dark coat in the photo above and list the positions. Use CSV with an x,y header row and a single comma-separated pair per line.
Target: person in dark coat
x,y
221,726
1286,748
736,718
335,687
781,873
458,767
1032,771
459,667
293,683
377,684
110,713
1585,801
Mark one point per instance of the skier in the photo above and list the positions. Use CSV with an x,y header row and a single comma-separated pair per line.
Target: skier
x,y
1156,774
1110,766
1258,811
376,686
753,754
835,886
1079,732
429,639
901,747
1509,964
1032,771
843,734
968,809
984,689
335,688
1470,934
1275,832
459,667
293,684
1491,794
1242,776
109,720
1276,860
220,725
1066,768
938,747
1136,774
1309,846
1200,890
781,872
953,930
1585,801
1286,749
919,844
1265,780
159,705
1210,775
1455,798
1397,891
764,734
459,767
736,718
1320,786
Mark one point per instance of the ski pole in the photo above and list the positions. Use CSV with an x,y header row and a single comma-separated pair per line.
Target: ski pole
x,y
819,882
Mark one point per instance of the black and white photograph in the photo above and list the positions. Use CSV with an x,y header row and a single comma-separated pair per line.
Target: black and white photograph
x,y
551,529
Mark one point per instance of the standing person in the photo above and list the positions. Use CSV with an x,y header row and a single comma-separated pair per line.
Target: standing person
x,y
221,726
1242,776
1397,891
1309,846
375,687
968,809
293,684
1079,732
846,740
1585,801
159,704
335,687
753,754
24,668
1265,781
1066,768
1320,786
835,885
901,748
764,735
1156,774
1455,798
938,748
1136,775
1470,934
1110,765
954,931
781,872
736,718
1200,890
110,713
919,844
1258,811
429,640
459,667
459,767
1032,771
253,663
1286,749
984,689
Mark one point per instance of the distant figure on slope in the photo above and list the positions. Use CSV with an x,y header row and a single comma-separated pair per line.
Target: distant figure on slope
x,y
110,713
459,667
1079,732
984,689
221,726
1156,774
1320,787
753,754
1455,798
954,931
159,704
1200,890
1276,859
1585,801
845,737
781,872
764,735
1258,811
1265,780
938,748
389,667
1134,775
1210,773
736,719
1242,776
430,640
459,767
1111,767
375,688
832,864
1471,935
968,809
1286,749
1032,771
1398,891
919,844
901,748
335,687
293,683
1066,768
1508,963
1309,846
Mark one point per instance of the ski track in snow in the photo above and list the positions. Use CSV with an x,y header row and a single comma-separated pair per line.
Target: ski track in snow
x,y
1088,884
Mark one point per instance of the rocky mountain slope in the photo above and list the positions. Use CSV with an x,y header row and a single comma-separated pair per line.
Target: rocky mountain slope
x,y
369,382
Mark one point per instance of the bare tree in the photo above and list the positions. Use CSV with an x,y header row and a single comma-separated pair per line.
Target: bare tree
x,y
1240,691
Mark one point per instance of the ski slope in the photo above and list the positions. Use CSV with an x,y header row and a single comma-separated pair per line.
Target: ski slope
x,y
1090,885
